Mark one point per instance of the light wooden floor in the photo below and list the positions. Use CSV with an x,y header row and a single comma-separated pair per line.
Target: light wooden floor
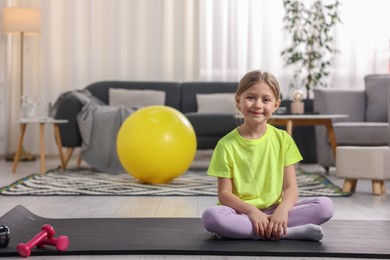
x,y
361,206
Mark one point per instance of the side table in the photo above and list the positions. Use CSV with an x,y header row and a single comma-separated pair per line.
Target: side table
x,y
23,125
291,120
309,120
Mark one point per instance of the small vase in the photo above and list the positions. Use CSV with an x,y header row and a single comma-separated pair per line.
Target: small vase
x,y
28,108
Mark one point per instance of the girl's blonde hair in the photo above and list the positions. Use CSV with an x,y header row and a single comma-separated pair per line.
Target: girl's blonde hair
x,y
257,76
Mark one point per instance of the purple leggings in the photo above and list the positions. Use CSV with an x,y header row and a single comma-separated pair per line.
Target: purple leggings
x,y
227,222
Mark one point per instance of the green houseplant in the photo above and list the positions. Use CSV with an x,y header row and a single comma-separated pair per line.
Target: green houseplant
x,y
309,52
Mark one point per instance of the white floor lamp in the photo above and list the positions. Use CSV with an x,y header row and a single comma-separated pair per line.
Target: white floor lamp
x,y
21,21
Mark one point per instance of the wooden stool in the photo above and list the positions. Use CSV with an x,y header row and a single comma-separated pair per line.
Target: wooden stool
x,y
363,162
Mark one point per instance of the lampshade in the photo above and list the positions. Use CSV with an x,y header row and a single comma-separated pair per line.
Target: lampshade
x,y
297,95
21,20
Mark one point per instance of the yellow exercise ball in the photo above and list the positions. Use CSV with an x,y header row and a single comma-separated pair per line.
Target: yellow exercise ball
x,y
156,144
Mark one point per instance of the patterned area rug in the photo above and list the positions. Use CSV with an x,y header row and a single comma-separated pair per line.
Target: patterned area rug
x,y
192,183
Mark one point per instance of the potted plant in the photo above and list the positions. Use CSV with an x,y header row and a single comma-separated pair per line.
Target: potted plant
x,y
310,51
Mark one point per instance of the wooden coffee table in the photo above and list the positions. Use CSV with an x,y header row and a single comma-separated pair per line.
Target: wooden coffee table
x,y
309,120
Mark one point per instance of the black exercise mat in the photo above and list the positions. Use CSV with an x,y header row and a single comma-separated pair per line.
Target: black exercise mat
x,y
186,236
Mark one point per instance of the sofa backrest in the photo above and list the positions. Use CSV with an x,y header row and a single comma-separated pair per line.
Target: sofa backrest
x,y
171,89
377,91
341,101
191,89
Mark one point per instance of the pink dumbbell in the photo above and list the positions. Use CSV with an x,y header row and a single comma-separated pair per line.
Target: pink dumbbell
x,y
46,233
61,242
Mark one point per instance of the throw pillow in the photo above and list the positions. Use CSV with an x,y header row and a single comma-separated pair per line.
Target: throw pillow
x,y
132,98
218,103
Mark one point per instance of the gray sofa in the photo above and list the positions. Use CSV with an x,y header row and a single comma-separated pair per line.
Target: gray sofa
x,y
368,119
209,127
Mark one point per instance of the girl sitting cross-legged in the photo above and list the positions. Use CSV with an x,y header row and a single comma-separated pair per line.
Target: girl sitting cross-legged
x,y
255,166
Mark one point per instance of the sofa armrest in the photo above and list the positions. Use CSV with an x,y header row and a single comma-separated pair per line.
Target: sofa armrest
x,y
332,101
68,108
377,96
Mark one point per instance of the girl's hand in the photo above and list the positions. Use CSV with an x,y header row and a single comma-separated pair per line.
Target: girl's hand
x,y
260,222
278,220
277,224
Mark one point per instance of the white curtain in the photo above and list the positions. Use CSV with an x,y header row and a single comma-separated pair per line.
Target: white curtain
x,y
364,42
238,36
177,40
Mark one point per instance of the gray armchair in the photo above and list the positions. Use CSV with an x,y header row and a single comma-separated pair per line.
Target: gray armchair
x,y
368,121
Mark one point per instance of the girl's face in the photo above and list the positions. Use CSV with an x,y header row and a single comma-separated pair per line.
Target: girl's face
x,y
257,103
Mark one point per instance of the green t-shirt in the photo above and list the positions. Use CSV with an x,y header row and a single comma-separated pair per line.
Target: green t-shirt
x,y
255,165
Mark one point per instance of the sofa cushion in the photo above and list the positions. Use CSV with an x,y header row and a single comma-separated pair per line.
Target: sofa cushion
x,y
218,103
212,124
172,89
131,98
358,133
191,89
377,98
